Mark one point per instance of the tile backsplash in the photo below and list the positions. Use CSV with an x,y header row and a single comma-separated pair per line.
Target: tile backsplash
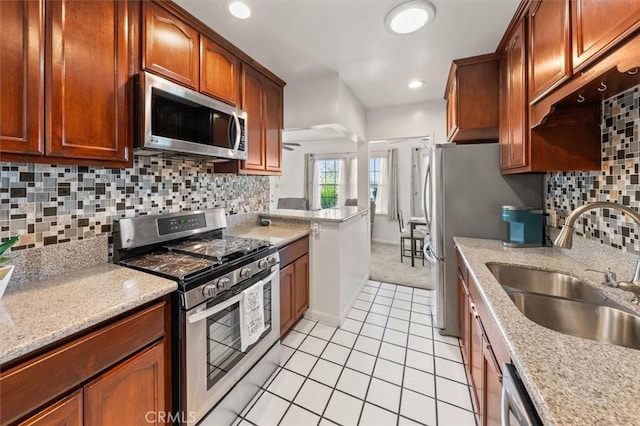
x,y
618,180
50,204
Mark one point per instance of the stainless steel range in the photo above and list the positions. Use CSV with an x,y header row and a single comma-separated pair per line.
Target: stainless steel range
x,y
215,342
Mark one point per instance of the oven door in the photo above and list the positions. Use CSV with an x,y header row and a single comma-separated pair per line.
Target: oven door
x,y
212,344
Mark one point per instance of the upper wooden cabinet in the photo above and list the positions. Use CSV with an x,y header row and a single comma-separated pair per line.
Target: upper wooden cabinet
x,y
513,102
79,51
87,74
219,72
273,123
472,100
549,46
597,24
170,46
253,104
21,77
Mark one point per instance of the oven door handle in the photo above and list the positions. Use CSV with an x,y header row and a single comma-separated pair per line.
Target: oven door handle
x,y
199,316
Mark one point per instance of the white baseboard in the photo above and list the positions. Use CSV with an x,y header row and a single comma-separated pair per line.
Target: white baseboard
x,y
394,242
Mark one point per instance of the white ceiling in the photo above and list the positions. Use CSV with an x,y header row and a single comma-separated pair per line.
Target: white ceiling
x,y
299,38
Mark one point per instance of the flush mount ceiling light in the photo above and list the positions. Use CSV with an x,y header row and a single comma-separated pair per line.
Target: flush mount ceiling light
x,y
239,9
409,17
415,84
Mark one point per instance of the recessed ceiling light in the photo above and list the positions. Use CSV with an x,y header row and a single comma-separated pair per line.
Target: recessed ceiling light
x,y
416,84
409,17
239,9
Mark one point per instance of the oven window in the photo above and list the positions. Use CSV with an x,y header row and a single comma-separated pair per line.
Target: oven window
x,y
223,339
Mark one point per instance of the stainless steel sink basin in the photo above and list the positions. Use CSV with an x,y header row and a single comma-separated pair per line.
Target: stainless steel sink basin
x,y
586,320
520,278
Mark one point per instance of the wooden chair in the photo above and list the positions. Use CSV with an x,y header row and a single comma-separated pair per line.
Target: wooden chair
x,y
405,234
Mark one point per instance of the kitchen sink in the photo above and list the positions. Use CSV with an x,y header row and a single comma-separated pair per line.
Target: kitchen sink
x,y
580,319
520,278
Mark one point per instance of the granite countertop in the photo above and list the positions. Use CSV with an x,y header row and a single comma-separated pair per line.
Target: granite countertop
x,y
570,380
35,314
277,234
336,214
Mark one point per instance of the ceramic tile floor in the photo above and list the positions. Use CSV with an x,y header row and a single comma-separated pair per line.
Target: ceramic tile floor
x,y
385,366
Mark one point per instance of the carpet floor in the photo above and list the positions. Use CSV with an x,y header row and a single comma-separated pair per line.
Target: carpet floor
x,y
386,267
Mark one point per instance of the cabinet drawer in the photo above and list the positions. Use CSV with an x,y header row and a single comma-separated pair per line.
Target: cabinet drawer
x,y
293,251
63,368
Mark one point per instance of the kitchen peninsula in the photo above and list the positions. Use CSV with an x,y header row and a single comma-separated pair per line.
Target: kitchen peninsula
x,y
339,251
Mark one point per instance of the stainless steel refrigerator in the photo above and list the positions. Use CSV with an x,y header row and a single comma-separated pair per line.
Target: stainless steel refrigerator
x,y
463,195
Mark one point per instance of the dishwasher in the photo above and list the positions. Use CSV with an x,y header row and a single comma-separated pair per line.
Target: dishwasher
x,y
517,408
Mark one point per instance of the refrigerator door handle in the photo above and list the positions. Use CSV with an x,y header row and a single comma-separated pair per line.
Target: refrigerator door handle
x,y
427,205
428,253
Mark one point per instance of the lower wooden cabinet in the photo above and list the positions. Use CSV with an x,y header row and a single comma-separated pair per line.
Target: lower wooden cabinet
x,y
128,392
67,412
116,374
294,283
483,350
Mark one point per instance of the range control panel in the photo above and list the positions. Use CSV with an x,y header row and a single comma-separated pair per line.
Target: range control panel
x,y
172,225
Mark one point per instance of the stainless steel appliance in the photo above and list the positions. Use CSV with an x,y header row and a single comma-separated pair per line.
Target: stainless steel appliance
x,y
213,271
177,121
517,408
464,192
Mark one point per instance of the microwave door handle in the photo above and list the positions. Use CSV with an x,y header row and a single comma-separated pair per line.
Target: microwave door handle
x,y
238,131
198,316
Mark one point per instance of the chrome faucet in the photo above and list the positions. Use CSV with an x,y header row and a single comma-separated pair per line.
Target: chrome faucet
x,y
565,240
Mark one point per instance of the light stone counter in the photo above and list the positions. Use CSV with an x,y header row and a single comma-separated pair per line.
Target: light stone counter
x,y
42,312
277,234
572,381
336,214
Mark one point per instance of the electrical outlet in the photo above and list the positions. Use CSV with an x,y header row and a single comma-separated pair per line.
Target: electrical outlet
x,y
552,219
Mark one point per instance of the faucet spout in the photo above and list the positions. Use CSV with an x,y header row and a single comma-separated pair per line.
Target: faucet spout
x,y
565,238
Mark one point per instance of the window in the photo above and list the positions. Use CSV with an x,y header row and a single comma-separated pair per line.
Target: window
x,y
374,177
329,182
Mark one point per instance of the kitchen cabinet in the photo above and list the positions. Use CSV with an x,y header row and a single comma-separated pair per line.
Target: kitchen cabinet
x,y
294,283
67,412
119,369
21,77
513,106
81,52
472,100
128,391
484,349
171,47
219,72
549,46
596,25
262,99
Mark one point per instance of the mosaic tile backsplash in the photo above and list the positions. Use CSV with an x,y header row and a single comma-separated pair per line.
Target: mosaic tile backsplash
x,y
51,204
618,181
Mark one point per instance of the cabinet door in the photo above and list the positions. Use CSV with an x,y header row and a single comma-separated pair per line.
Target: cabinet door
x,y
597,24
477,361
21,76
170,46
273,125
517,98
252,103
287,279
67,412
492,388
549,46
465,326
452,108
301,286
505,112
219,72
128,391
87,59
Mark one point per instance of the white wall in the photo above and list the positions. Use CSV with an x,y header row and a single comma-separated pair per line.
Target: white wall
x,y
427,118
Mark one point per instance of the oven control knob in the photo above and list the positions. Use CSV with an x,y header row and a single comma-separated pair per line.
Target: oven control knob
x,y
209,290
223,283
245,273
271,260
263,264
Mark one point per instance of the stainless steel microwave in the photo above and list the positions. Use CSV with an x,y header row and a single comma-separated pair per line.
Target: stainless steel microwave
x,y
175,120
